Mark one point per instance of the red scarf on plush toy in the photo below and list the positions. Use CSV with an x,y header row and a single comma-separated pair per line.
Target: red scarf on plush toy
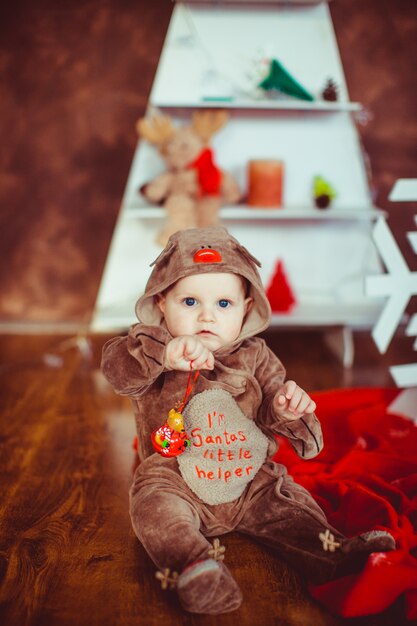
x,y
209,175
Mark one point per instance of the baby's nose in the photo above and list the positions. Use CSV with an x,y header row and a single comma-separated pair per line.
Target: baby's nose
x,y
206,314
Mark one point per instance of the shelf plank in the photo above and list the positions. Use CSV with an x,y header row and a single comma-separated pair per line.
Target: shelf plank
x,y
285,214
259,105
359,316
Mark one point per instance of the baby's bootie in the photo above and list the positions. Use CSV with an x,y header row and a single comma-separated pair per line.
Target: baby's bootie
x,y
356,549
372,541
208,587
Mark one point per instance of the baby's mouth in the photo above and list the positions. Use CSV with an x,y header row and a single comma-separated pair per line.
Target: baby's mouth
x,y
205,333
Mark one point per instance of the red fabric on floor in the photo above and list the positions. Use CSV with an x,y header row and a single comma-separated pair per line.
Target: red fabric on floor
x,y
365,479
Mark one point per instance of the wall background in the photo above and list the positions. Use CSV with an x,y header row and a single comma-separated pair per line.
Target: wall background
x,y
75,77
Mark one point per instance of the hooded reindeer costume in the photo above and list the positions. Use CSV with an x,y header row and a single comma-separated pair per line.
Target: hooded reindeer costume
x,y
225,480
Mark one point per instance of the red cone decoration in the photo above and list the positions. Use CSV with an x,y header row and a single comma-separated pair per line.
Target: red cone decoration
x,y
279,292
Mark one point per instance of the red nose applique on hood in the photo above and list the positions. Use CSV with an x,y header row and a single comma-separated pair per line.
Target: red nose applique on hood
x,y
207,255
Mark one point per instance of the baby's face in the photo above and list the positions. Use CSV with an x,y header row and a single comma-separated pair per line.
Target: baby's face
x,y
210,306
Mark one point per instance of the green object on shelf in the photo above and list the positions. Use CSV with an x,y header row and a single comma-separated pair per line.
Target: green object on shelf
x,y
278,78
321,187
323,192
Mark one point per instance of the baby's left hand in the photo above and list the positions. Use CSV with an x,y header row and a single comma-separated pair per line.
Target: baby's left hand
x,y
291,402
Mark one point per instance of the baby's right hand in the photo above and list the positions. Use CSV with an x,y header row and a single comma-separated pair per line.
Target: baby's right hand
x,y
180,351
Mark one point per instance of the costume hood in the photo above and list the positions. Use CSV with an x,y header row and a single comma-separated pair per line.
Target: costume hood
x,y
199,251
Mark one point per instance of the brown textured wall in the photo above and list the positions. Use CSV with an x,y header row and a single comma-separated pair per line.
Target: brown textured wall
x,y
378,46
74,77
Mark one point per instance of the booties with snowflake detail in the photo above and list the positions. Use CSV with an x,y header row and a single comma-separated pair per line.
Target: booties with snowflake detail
x,y
208,587
371,541
356,549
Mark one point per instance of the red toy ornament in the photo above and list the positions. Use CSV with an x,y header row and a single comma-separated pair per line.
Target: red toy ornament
x,y
171,439
279,292
207,255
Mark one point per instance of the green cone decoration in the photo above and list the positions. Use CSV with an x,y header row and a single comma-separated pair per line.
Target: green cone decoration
x,y
279,79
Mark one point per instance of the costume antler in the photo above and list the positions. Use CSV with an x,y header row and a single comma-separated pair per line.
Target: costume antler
x,y
245,252
207,123
157,129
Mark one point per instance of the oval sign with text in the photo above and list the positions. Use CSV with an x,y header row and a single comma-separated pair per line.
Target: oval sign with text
x,y
227,448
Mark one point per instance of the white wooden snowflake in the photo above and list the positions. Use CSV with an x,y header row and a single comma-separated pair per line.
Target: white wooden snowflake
x,y
400,285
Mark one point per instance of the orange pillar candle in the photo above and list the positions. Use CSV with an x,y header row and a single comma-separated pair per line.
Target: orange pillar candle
x,y
265,183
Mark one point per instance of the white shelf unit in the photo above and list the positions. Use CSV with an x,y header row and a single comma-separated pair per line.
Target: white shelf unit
x,y
326,253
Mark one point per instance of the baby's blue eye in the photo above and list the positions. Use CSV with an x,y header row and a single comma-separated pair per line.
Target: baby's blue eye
x,y
224,304
190,301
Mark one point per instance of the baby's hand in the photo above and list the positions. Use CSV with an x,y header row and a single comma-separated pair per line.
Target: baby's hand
x,y
180,351
291,402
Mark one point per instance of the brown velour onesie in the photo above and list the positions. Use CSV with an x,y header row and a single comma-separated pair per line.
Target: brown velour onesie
x,y
225,481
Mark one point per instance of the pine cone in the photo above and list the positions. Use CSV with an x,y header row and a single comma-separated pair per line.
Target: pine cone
x,y
323,201
330,91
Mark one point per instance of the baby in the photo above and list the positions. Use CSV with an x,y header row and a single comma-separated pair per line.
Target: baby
x,y
202,308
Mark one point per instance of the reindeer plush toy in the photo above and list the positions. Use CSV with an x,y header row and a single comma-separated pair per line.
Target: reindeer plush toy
x,y
193,188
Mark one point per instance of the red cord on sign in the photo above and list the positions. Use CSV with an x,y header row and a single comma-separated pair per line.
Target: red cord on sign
x,y
190,385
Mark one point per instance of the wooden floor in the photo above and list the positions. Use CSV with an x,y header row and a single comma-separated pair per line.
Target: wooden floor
x,y
68,555
74,78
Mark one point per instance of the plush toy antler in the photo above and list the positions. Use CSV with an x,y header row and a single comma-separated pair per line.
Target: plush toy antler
x,y
206,123
158,129
193,187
